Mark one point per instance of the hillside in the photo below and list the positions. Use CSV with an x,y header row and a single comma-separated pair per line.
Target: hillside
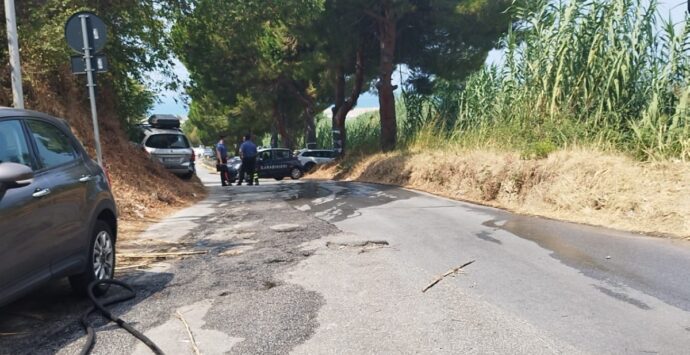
x,y
141,187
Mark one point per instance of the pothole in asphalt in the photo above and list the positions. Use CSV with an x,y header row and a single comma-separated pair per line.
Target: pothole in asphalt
x,y
276,260
362,246
246,227
267,285
284,228
236,250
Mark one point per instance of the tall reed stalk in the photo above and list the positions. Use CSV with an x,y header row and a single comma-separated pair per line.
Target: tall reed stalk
x,y
605,72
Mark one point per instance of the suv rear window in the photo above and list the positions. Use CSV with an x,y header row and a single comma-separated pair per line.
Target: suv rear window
x,y
167,141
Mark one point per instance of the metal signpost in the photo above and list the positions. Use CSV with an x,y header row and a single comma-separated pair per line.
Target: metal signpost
x,y
86,34
15,65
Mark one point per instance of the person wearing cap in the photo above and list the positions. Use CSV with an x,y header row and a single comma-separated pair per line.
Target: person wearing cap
x,y
248,153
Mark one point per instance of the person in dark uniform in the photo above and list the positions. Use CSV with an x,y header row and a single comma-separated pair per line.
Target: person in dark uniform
x,y
248,154
222,155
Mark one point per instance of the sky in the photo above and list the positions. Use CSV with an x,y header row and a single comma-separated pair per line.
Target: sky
x,y
167,103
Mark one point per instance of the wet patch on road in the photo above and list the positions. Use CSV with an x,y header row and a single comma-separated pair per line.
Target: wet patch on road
x,y
487,236
623,297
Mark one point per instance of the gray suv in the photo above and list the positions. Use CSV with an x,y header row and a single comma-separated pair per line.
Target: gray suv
x,y
165,143
57,213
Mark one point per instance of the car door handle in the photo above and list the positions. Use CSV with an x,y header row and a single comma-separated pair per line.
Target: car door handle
x,y
86,178
41,192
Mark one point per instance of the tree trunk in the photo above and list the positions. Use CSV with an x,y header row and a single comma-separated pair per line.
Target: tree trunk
x,y
274,136
310,129
347,105
281,123
338,142
387,39
309,111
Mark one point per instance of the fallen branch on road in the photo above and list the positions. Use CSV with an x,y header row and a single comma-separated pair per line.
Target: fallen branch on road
x,y
12,334
189,333
162,255
135,266
447,273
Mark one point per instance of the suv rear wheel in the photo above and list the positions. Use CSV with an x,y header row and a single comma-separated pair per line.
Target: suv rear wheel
x,y
101,260
309,166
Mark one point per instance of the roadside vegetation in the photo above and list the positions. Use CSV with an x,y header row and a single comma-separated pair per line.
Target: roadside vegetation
x,y
137,45
586,119
611,75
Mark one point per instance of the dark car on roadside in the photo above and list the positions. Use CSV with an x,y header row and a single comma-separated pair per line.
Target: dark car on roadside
x,y
57,214
271,163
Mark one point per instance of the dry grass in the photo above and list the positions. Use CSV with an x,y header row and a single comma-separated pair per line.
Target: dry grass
x,y
576,185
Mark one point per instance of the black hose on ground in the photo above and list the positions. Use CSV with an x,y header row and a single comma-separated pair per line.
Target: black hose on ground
x,y
100,306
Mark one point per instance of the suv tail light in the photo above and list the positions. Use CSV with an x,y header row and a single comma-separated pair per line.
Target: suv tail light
x,y
193,158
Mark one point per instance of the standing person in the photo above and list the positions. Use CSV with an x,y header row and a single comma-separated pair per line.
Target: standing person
x,y
248,155
222,155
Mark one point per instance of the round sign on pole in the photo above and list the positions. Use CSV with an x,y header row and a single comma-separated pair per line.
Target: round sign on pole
x,y
96,32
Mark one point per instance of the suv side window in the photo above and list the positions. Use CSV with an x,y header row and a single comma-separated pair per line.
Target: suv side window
x,y
265,155
282,154
307,154
13,145
54,147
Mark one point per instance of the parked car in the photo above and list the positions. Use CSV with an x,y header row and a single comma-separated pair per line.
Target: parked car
x,y
208,153
310,158
57,213
163,140
278,163
273,163
199,151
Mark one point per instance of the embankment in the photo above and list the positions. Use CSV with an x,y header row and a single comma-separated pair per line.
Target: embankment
x,y
582,186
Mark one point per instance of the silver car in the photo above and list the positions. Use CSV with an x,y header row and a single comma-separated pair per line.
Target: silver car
x,y
310,158
171,148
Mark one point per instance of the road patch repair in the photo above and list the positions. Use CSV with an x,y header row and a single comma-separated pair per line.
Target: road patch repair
x,y
187,327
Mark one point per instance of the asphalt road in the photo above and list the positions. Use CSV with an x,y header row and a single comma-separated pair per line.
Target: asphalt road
x,y
537,286
327,267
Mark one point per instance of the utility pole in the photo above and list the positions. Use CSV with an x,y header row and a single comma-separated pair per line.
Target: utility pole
x,y
15,63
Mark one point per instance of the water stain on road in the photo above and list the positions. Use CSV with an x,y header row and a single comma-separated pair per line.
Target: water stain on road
x,y
588,251
484,235
549,238
338,201
623,297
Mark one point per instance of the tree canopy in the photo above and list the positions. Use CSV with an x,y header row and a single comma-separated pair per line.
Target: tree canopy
x,y
137,46
272,66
